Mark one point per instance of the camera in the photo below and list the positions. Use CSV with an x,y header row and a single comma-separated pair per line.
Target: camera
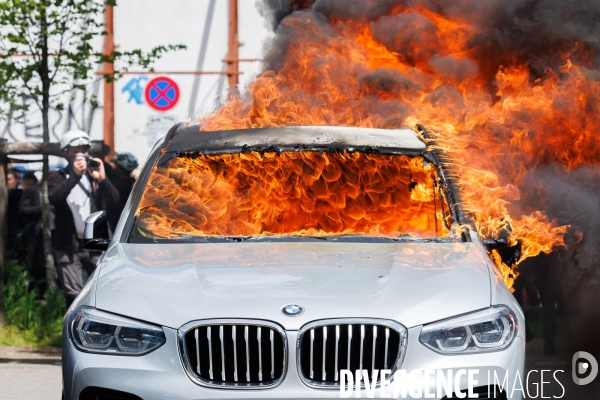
x,y
93,165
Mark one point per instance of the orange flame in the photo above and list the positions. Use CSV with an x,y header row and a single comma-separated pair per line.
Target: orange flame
x,y
294,193
486,110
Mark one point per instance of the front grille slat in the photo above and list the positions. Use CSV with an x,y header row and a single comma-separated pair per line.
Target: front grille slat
x,y
337,341
349,346
246,339
258,334
323,368
214,353
373,351
197,337
222,340
271,334
234,337
312,350
362,341
354,344
385,351
210,359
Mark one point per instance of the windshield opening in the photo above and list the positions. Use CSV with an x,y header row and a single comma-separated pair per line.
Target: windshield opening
x,y
293,194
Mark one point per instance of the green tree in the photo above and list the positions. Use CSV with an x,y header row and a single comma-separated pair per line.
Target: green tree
x,y
45,46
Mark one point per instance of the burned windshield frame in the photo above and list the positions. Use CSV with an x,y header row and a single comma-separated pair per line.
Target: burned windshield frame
x,y
140,239
434,156
161,155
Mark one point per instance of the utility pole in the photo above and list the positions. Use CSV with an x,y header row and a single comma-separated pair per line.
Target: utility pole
x,y
234,44
109,87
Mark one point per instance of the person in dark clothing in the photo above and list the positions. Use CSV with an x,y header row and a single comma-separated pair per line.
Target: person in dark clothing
x,y
125,163
76,192
541,274
550,296
30,212
12,179
14,246
29,179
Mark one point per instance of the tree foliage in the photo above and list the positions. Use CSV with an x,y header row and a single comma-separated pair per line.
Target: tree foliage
x,y
51,46
48,47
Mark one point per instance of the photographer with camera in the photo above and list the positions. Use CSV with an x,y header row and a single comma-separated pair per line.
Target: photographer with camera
x,y
77,191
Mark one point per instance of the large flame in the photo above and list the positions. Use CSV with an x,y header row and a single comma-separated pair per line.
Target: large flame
x,y
499,94
492,114
294,193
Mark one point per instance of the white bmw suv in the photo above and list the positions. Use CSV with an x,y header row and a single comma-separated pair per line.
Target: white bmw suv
x,y
266,263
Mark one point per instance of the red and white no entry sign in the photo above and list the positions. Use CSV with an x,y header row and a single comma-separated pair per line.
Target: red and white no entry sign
x,y
162,93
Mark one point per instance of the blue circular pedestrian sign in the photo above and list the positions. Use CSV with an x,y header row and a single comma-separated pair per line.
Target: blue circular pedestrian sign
x,y
162,93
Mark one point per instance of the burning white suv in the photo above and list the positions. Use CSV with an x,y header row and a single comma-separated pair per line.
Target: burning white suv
x,y
264,263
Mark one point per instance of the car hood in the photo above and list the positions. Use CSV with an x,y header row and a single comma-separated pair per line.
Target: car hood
x,y
411,283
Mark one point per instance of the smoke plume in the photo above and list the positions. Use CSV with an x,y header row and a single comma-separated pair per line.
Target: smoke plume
x,y
509,90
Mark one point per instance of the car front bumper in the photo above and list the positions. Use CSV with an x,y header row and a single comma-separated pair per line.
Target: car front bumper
x,y
160,374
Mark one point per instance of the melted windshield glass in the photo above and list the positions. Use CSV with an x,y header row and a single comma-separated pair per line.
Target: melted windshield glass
x,y
304,193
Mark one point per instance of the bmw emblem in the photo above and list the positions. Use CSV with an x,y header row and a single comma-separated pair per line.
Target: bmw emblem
x,y
292,310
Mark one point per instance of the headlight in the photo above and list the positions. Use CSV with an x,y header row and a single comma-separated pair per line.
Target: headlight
x,y
492,329
97,331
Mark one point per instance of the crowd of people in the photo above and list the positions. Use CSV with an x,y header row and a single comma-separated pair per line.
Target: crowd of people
x,y
86,185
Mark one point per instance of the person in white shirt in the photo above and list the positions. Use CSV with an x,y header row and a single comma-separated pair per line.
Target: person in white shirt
x,y
77,191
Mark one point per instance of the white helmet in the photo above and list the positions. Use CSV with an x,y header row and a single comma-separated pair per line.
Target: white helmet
x,y
74,138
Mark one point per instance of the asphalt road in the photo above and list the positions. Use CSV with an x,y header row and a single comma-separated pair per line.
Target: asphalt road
x,y
30,374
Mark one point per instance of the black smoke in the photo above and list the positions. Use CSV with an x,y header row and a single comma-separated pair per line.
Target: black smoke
x,y
508,32
523,29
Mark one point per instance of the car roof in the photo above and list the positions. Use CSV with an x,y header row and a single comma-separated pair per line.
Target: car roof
x,y
295,138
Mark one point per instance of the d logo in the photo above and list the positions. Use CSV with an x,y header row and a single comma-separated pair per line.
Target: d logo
x,y
584,364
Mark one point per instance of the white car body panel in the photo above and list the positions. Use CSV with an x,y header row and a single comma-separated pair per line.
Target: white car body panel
x,y
411,283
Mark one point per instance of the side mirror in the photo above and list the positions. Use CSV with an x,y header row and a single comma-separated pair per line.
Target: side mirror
x,y
95,233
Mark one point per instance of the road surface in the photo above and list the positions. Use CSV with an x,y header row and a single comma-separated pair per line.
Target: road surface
x,y
30,374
